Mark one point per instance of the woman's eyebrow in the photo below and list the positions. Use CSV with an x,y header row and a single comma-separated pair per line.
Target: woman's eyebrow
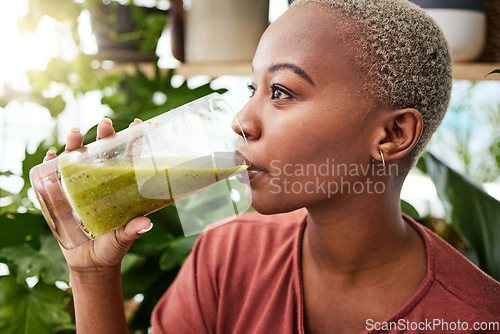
x,y
295,68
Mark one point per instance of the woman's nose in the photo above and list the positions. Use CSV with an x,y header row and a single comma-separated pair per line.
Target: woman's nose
x,y
247,123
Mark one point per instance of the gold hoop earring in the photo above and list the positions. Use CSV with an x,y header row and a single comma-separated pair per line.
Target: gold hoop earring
x,y
382,156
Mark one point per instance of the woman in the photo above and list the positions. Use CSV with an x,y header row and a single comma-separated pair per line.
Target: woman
x,y
344,97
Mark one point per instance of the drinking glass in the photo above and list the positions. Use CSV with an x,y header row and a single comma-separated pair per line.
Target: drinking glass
x,y
100,187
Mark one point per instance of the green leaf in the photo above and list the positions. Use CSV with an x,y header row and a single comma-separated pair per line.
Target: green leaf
x,y
31,311
90,136
495,149
55,105
67,11
472,212
408,209
168,219
494,71
17,229
177,252
5,193
11,207
129,261
154,24
141,277
29,22
150,243
147,279
55,267
58,70
24,258
134,95
47,263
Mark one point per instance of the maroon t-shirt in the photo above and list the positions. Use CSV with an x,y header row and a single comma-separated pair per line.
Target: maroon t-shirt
x,y
244,277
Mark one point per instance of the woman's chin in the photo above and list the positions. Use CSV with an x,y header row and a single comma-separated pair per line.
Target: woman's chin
x,y
267,206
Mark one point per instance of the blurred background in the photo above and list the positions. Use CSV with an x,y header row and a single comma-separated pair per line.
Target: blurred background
x,y
66,64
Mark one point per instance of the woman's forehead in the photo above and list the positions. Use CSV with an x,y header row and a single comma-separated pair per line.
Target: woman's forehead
x,y
309,37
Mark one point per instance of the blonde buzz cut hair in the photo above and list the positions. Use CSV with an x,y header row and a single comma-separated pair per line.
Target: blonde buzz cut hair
x,y
402,55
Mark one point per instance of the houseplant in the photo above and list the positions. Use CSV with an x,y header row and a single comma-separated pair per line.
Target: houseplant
x,y
29,249
34,293
124,31
472,212
463,23
224,30
469,210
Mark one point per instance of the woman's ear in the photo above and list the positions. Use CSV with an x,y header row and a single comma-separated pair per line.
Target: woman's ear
x,y
401,130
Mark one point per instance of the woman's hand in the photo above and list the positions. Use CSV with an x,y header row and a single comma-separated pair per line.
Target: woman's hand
x,y
107,251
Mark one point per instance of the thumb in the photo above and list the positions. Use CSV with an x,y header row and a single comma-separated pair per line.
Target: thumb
x,y
133,230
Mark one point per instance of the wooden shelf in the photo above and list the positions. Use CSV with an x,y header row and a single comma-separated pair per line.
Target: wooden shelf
x,y
213,70
147,68
475,71
461,71
243,68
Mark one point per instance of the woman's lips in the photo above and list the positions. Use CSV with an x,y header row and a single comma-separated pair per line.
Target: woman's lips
x,y
253,170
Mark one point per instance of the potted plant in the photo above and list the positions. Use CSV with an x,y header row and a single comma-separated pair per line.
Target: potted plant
x,y
126,32
463,23
224,30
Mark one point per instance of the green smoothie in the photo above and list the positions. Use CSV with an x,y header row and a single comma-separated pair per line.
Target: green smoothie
x,y
108,194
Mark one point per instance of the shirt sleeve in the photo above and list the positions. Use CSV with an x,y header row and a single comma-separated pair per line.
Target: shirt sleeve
x,y
190,303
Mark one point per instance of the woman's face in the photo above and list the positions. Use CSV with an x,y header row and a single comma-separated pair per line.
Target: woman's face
x,y
307,110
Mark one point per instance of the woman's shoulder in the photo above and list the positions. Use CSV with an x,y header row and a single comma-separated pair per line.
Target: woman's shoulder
x,y
250,242
238,278
255,228
457,282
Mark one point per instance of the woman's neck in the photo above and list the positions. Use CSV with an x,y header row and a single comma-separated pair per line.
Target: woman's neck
x,y
357,236
360,260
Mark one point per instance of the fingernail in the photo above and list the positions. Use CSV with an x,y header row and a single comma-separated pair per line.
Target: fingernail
x,y
135,122
51,152
107,120
75,130
144,230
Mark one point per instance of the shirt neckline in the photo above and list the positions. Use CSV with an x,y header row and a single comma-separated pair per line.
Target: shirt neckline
x,y
404,309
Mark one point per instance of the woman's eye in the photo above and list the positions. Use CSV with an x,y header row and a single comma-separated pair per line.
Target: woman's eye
x,y
279,93
251,89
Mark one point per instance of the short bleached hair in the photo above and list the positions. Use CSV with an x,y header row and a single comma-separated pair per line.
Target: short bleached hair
x,y
402,55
